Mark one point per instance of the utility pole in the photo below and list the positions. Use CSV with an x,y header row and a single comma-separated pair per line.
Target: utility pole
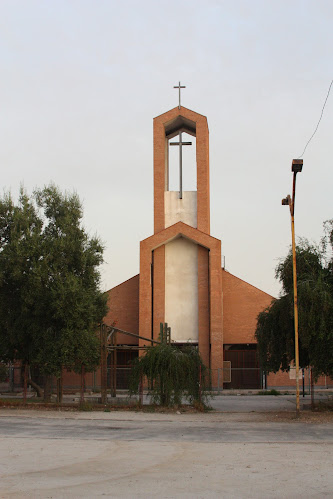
x,y
296,167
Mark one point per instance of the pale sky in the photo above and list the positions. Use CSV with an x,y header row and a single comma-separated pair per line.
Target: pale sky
x,y
81,82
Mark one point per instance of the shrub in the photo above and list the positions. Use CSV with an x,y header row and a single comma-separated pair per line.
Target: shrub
x,y
172,373
3,372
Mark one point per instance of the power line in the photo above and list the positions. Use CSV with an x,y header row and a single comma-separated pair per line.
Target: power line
x,y
322,112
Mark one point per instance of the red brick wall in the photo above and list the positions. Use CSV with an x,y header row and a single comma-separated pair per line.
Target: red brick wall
x,y
159,289
70,379
203,304
123,303
241,306
282,379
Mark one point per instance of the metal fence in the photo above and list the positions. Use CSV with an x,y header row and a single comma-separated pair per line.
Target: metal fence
x,y
222,379
15,381
122,377
71,381
246,378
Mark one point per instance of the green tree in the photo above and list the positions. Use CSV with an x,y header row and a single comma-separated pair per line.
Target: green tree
x,y
172,373
20,229
275,326
50,301
4,371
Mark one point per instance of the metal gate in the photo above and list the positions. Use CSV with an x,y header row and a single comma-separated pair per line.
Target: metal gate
x,y
245,370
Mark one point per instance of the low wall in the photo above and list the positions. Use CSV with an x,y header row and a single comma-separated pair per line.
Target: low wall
x,y
287,380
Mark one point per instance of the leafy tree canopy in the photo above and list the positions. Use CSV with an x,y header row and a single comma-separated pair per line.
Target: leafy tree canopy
x,y
275,326
50,301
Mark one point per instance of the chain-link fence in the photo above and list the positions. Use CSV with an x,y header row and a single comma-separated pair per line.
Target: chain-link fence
x,y
71,381
123,376
246,378
14,382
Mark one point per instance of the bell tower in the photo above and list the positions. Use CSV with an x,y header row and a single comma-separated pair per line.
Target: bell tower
x,y
180,264
191,207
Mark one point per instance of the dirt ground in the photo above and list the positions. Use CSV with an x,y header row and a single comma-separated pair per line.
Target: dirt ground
x,y
306,416
66,454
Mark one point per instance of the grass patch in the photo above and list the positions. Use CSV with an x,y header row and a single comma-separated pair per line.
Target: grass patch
x,y
269,392
17,402
324,406
38,404
201,406
86,406
148,408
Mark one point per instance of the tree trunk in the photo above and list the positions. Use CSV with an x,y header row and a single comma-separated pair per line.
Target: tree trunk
x,y
36,387
47,388
199,392
103,365
141,391
25,383
82,384
312,390
164,396
59,389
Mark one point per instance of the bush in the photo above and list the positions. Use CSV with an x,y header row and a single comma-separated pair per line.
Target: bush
x,y
172,373
270,392
85,406
3,373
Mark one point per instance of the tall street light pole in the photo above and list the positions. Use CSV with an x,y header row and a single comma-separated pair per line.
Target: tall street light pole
x,y
296,167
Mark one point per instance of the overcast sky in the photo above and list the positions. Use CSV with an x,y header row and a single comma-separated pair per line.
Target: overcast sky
x,y
81,82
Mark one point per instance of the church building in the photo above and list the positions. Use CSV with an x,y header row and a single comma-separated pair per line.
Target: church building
x,y
181,280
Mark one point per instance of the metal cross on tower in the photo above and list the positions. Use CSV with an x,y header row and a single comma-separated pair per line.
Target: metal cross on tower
x,y
179,86
180,144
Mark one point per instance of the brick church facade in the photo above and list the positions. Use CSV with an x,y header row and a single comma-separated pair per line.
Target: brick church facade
x,y
181,279
182,282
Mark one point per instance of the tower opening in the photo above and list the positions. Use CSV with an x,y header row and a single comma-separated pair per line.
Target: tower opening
x,y
188,168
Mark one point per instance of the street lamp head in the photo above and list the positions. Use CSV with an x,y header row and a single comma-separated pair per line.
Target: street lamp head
x,y
297,165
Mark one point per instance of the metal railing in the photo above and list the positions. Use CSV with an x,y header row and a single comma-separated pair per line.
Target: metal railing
x,y
222,379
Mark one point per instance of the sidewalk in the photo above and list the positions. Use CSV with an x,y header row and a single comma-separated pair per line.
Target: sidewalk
x,y
236,401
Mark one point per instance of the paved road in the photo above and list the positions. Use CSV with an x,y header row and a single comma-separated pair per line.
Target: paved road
x,y
140,455
168,427
256,403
